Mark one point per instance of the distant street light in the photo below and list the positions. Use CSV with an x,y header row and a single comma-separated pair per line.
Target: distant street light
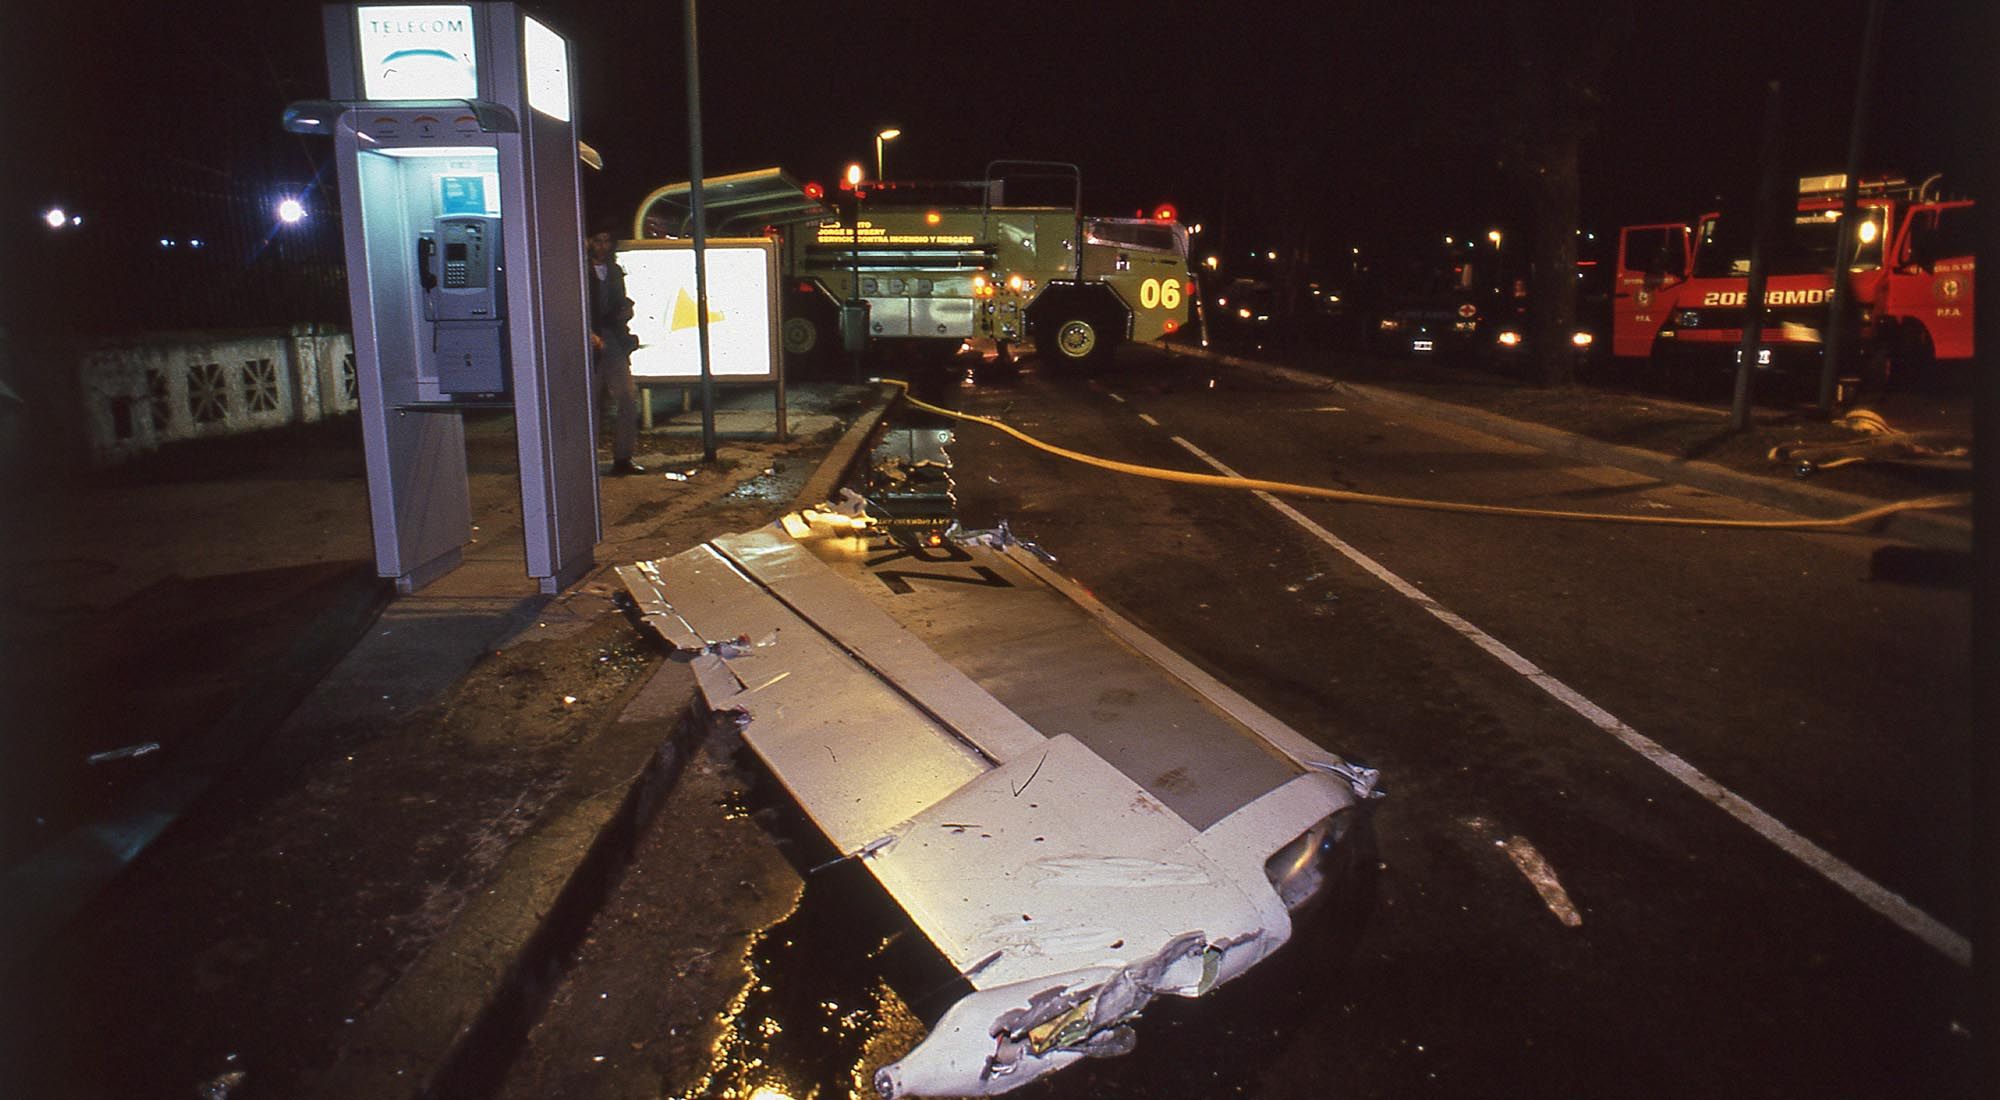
x,y
291,211
1494,236
56,217
888,135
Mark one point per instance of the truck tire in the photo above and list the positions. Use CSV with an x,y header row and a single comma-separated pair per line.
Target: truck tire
x,y
1078,339
810,338
802,336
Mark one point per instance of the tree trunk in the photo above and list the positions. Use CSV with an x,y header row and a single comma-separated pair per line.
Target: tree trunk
x,y
1557,211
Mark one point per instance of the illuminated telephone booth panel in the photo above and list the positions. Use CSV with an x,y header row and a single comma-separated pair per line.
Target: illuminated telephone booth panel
x,y
456,157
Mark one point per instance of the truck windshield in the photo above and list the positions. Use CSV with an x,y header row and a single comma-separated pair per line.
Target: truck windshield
x,y
1804,245
1136,234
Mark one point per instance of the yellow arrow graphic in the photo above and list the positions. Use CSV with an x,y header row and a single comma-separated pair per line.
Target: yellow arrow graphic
x,y
684,313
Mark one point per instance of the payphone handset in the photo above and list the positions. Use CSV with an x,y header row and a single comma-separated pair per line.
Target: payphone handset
x,y
459,264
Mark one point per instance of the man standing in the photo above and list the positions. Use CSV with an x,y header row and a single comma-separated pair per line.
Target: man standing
x,y
611,344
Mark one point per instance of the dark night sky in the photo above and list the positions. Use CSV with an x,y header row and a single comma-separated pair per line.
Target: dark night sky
x,y
1354,122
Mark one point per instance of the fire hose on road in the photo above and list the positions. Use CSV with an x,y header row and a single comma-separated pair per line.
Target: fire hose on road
x,y
1315,492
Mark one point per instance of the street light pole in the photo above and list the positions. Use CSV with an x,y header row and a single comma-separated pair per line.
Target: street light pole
x,y
854,314
695,204
881,137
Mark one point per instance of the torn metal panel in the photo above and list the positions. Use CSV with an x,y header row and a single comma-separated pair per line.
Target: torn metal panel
x,y
1080,868
1076,818
856,753
781,564
996,614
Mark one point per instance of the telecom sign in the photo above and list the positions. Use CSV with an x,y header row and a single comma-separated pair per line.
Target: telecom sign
x,y
742,318
417,52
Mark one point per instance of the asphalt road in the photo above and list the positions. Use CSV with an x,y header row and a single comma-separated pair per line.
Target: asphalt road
x,y
1555,913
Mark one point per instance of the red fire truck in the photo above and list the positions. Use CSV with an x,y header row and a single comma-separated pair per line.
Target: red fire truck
x,y
1680,287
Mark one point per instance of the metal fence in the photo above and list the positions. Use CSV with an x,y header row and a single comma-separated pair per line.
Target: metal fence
x,y
139,394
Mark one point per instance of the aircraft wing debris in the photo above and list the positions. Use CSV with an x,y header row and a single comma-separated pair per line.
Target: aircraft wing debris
x,y
1076,818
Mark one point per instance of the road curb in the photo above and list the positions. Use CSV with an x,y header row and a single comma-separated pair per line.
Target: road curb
x,y
839,462
1923,528
449,1025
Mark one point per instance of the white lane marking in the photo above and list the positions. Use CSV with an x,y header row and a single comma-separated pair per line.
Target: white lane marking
x,y
1829,866
1115,397
1149,420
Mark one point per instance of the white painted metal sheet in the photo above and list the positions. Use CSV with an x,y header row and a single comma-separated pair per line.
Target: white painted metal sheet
x,y
857,755
1029,643
1068,877
1057,862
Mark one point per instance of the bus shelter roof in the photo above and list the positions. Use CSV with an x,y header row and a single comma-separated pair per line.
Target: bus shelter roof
x,y
735,205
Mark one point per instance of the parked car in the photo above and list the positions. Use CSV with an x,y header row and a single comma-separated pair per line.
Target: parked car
x,y
1445,327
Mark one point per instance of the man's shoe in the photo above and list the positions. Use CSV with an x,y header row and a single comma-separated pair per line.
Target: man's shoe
x,y
626,467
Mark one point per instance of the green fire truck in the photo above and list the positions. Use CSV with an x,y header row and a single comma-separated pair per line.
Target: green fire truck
x,y
921,268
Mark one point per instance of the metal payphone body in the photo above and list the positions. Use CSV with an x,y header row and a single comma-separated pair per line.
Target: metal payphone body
x,y
456,155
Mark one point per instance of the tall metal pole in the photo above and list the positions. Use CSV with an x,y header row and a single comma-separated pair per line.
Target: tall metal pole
x,y
695,204
1838,320
1978,120
1753,297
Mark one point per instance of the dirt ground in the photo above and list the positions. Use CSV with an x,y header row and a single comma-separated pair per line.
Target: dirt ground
x,y
271,918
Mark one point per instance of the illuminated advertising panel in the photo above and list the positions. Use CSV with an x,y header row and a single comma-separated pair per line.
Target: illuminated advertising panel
x,y
417,52
547,57
742,316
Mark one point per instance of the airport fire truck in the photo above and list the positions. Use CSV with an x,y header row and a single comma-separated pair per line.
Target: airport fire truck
x,y
920,268
1680,287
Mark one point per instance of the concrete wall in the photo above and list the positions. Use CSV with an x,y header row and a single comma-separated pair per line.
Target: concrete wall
x,y
143,392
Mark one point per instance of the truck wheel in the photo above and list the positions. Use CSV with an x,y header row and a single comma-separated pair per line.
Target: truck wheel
x,y
1076,339
802,336
810,344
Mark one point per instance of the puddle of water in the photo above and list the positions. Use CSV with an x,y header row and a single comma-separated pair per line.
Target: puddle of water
x,y
817,1014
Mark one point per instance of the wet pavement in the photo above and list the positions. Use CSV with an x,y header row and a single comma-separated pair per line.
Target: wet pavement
x,y
265,929
297,895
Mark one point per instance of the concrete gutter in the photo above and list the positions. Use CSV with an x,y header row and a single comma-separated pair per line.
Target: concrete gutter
x,y
1933,529
449,1025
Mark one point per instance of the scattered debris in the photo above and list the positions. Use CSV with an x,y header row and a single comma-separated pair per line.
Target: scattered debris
x,y
222,1084
1880,443
999,538
128,752
863,852
1534,868
742,646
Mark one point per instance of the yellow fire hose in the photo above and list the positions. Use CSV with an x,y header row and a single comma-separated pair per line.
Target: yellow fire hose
x,y
1283,488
